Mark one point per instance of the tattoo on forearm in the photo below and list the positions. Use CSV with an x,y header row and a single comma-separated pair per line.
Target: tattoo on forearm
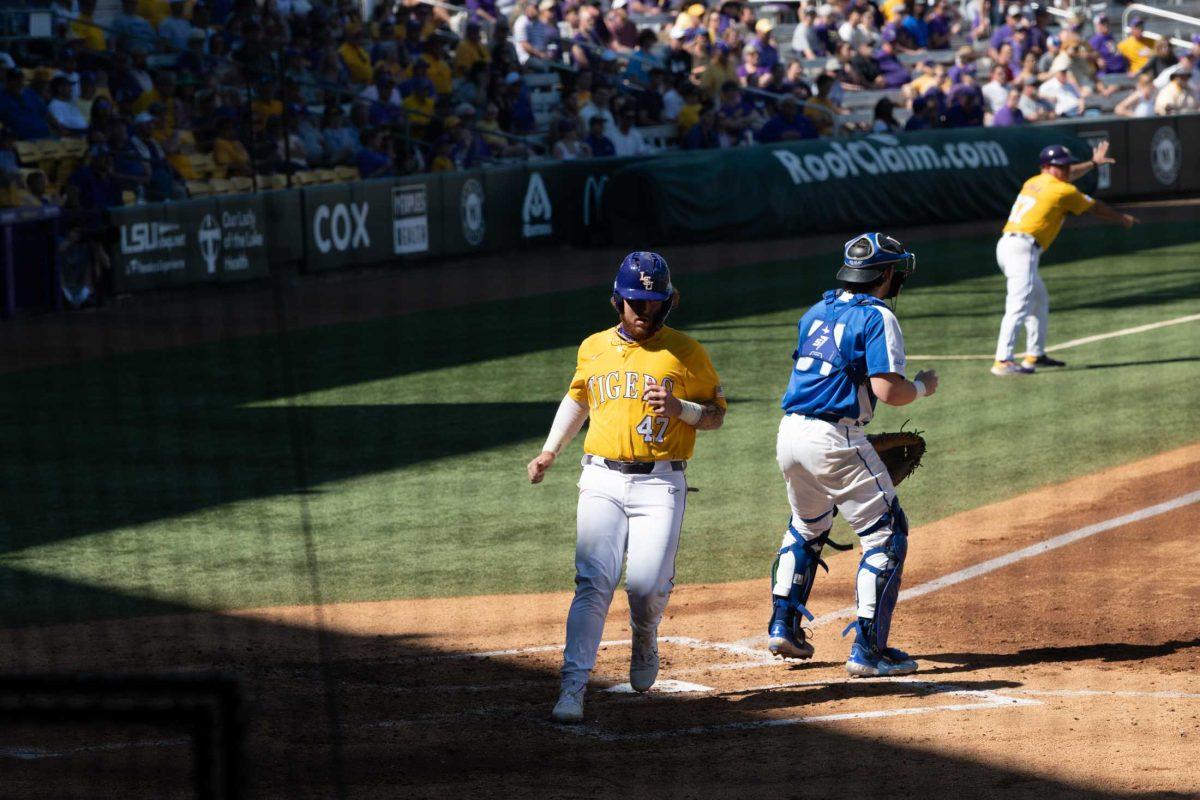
x,y
711,418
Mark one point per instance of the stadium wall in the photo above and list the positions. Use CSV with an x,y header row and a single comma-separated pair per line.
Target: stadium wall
x,y
788,189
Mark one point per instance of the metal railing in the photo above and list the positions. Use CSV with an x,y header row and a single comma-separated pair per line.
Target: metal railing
x,y
1142,10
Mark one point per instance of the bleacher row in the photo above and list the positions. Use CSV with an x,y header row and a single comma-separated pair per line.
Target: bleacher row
x,y
57,158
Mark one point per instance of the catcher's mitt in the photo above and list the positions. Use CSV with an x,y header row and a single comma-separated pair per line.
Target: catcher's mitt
x,y
900,452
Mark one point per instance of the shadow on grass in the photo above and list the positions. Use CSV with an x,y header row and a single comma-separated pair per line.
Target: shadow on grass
x,y
125,469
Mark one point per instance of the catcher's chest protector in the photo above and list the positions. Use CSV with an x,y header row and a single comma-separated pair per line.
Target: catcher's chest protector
x,y
821,350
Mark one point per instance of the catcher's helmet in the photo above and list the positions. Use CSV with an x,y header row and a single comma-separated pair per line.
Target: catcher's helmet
x,y
643,276
869,255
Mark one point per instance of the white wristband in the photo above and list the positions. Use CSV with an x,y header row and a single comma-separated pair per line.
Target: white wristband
x,y
691,412
920,387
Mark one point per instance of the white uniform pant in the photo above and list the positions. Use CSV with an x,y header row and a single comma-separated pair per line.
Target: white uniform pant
x,y
1027,303
630,520
827,465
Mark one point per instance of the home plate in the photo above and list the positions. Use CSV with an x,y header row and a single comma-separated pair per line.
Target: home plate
x,y
662,687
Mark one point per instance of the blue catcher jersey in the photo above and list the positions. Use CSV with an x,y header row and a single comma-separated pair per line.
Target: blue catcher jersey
x,y
843,340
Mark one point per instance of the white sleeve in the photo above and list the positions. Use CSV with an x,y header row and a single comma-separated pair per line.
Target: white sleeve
x,y
567,422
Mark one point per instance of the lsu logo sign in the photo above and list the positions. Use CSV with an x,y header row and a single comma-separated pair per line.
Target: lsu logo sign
x,y
536,211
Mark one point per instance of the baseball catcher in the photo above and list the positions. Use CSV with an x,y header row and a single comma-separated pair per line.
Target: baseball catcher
x,y
849,353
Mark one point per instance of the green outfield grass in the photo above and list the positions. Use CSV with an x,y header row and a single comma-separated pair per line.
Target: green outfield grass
x,y
193,478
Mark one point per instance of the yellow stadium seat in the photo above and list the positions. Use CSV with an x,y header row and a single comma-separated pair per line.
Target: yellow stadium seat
x,y
241,185
198,189
128,198
73,148
346,174
326,176
28,152
221,186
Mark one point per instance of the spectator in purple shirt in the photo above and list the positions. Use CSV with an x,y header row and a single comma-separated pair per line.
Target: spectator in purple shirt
x,y
940,24
1106,47
964,110
1038,34
768,54
482,10
1004,32
703,135
1009,114
787,124
893,72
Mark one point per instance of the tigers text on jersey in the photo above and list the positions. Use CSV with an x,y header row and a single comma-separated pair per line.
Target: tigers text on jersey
x,y
843,340
611,375
1041,206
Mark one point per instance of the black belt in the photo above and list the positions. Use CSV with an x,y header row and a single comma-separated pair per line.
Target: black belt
x,y
1025,236
633,467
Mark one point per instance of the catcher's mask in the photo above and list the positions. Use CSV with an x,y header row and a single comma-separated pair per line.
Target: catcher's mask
x,y
868,256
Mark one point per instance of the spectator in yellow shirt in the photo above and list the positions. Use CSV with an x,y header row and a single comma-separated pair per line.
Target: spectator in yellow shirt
x,y
439,70
719,71
356,59
812,106
470,51
1136,47
153,10
689,114
85,30
230,153
419,106
265,105
163,96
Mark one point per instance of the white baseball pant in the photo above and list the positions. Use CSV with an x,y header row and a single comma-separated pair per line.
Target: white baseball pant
x,y
827,465
1027,303
622,520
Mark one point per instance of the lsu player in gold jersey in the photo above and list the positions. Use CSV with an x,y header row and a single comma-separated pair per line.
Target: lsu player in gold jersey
x,y
1033,224
646,389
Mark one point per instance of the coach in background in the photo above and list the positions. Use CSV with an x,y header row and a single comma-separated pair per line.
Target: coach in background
x,y
1033,224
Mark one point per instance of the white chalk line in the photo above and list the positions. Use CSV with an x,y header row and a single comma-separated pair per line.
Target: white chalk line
x,y
1164,695
993,564
36,753
1099,337
983,700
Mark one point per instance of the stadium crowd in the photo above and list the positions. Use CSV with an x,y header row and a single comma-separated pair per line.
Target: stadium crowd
x,y
172,91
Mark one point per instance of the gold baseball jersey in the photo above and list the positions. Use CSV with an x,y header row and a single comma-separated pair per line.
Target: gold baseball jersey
x,y
611,375
1041,206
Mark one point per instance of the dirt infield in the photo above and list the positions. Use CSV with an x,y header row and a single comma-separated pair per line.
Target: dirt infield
x,y
1067,669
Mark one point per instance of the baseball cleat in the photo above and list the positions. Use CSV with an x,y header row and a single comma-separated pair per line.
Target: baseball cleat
x,y
569,707
1041,361
866,663
1006,368
783,644
643,661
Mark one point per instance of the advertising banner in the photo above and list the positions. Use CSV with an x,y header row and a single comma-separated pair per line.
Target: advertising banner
x,y
878,180
1188,128
1112,180
464,213
348,224
198,241
1155,156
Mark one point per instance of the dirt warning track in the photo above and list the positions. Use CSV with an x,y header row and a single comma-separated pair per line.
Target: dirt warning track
x,y
1069,671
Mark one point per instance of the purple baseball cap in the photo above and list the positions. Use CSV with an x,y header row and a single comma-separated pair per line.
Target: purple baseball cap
x,y
1056,155
1136,22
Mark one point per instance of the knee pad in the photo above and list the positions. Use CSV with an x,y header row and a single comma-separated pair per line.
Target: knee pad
x,y
888,568
804,557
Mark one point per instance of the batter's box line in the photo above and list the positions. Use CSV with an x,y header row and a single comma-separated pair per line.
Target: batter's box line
x,y
685,641
984,700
